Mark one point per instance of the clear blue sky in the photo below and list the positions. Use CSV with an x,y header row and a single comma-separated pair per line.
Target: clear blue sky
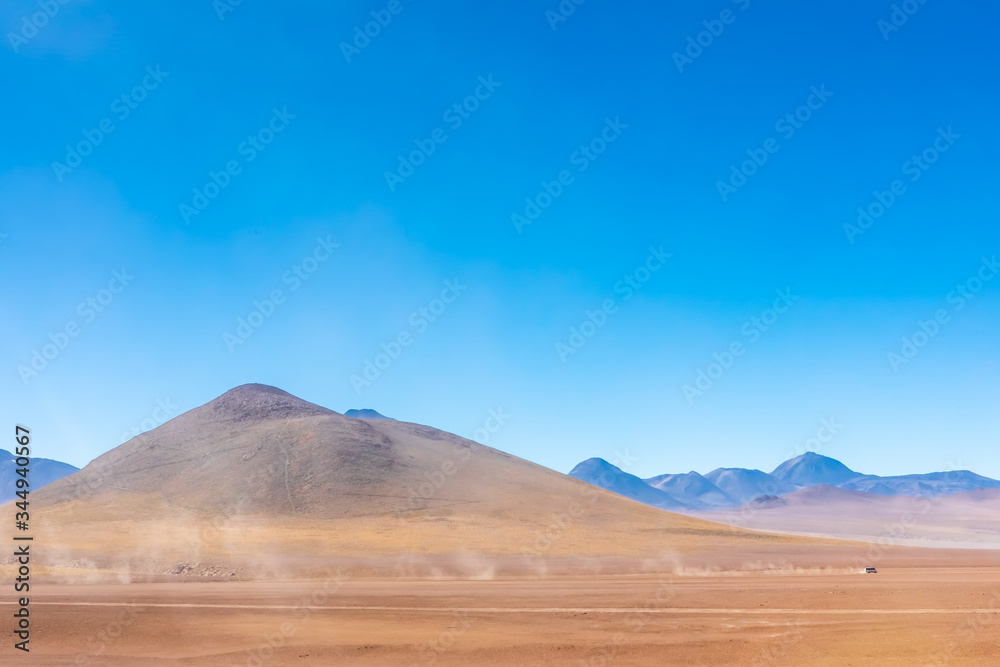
x,y
886,95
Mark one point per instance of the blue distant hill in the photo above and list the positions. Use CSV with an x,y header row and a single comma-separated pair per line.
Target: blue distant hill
x,y
41,473
732,487
601,473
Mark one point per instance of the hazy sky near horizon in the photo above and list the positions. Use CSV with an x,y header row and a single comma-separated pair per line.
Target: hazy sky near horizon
x,y
619,142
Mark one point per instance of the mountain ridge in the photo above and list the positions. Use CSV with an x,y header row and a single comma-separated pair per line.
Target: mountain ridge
x,y
741,486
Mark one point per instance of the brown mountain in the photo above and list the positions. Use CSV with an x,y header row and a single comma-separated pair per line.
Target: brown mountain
x,y
261,483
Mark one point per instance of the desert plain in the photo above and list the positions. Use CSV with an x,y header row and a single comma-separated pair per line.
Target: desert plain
x,y
261,530
905,615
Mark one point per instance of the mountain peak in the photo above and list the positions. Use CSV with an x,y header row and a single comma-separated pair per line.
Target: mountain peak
x,y
261,401
812,458
593,463
600,473
810,469
366,413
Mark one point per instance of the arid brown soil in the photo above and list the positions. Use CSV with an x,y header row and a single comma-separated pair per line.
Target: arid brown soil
x,y
907,616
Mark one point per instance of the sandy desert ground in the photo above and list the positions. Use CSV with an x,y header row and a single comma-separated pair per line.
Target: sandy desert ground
x,y
901,616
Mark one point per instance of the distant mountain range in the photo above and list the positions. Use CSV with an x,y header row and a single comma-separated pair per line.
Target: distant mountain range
x,y
733,487
41,473
719,489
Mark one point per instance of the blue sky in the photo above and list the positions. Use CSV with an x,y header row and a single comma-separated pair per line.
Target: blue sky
x,y
599,101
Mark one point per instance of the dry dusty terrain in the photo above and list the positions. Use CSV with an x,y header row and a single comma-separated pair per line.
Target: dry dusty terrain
x,y
261,518
901,616
961,520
